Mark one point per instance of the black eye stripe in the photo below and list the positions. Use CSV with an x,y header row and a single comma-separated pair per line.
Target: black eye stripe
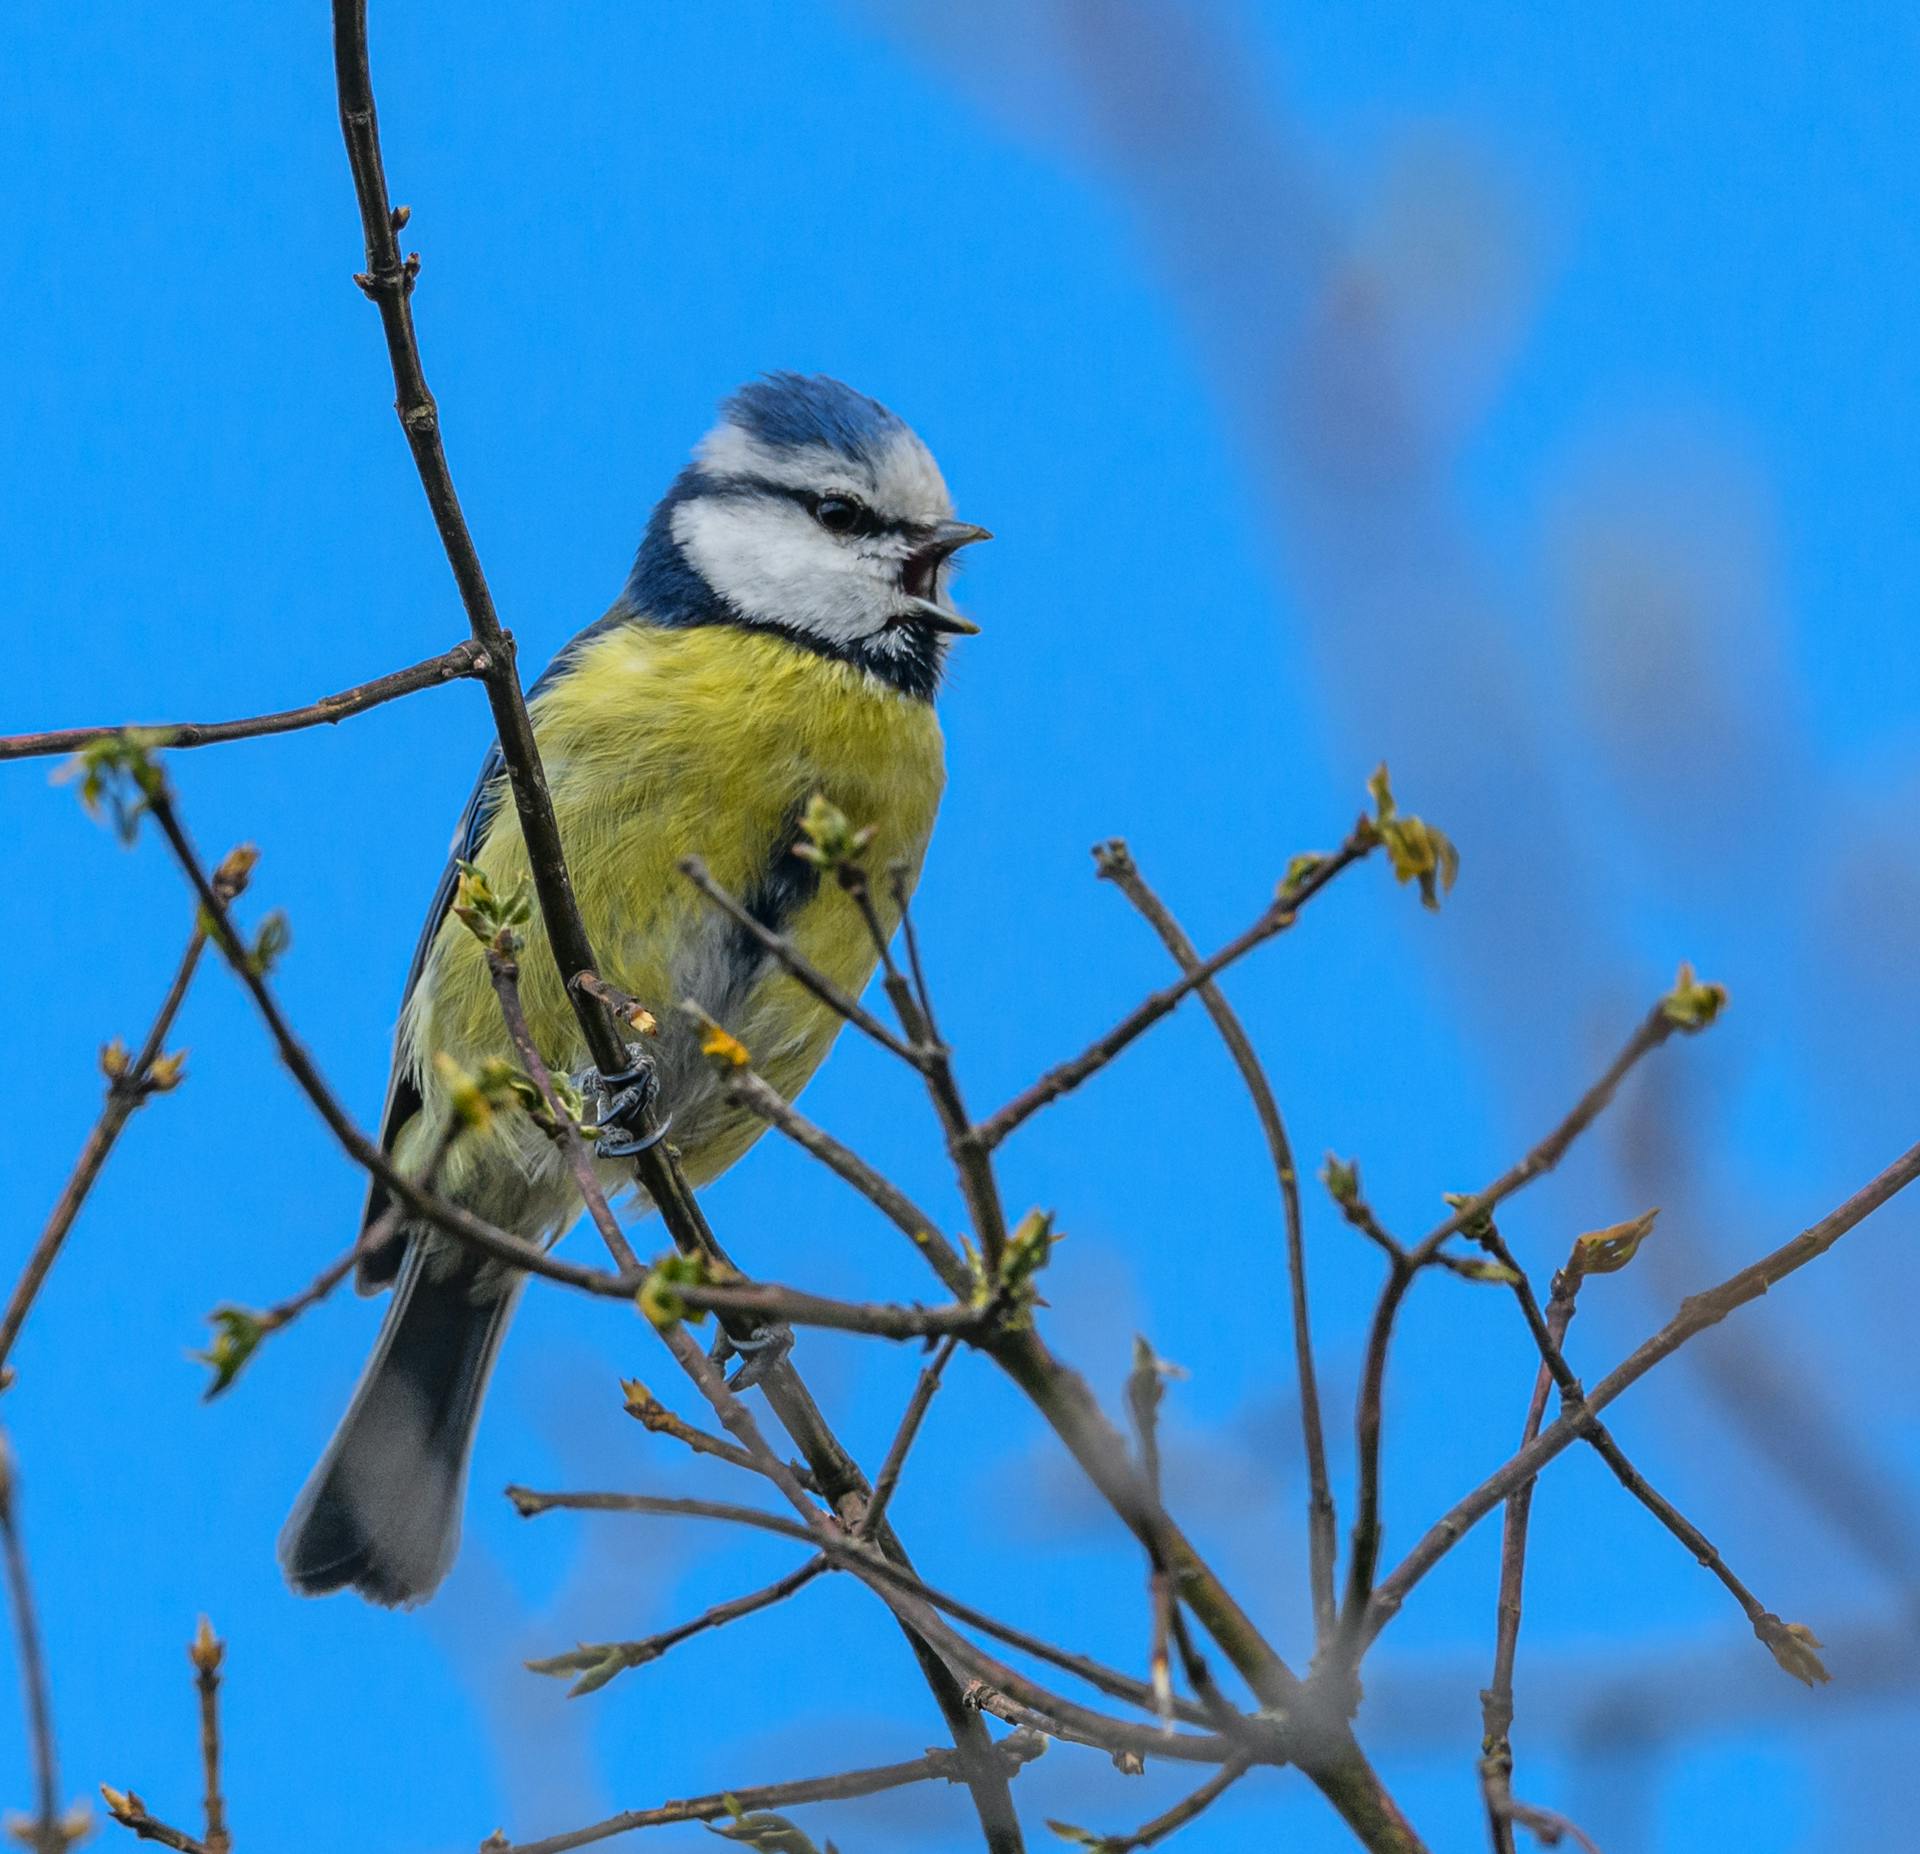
x,y
868,522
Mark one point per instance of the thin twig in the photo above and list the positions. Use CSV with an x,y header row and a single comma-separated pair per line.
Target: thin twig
x,y
505,974
47,1833
389,281
464,659
935,1766
971,1159
1128,1744
858,1557
1656,1028
129,1811
645,1408
795,964
1189,1808
1573,1403
127,1091
766,1301
902,894
598,1662
903,1439
207,1653
745,1087
1276,918
1496,1699
457,1222
1660,1023
1697,1313
739,1423
1116,865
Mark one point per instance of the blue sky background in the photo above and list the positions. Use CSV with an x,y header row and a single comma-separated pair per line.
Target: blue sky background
x,y
1525,397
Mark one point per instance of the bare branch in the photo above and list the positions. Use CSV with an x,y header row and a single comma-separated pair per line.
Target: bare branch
x,y
1689,1007
1276,918
48,1832
645,1408
389,280
1496,1699
745,1087
970,1158
1116,865
466,659
459,1223
130,1085
1665,1020
795,963
903,905
1127,1743
129,1811
1697,1313
765,1301
856,1556
1767,1627
941,1766
596,1663
1149,1834
903,1438
207,1653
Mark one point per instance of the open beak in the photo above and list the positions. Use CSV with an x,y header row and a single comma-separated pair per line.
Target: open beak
x,y
922,571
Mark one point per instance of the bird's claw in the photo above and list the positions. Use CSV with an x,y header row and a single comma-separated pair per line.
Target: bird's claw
x,y
758,1351
621,1105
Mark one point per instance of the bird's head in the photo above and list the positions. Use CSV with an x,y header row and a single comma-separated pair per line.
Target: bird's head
x,y
812,511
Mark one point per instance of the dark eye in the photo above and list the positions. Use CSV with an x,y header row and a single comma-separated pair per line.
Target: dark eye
x,y
838,514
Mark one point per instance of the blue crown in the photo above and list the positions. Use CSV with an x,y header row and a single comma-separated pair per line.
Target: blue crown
x,y
790,409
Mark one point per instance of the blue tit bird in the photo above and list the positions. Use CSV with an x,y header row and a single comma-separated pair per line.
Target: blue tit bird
x,y
782,635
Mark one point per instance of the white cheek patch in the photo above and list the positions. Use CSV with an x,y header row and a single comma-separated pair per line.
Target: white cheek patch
x,y
772,562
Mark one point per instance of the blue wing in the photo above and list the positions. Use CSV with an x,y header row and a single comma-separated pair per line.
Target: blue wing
x,y
403,1095
489,792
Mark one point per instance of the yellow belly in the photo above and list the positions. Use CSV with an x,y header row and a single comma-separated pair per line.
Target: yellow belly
x,y
659,744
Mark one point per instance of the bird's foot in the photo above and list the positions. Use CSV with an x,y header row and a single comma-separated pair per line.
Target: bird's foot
x,y
621,1105
758,1351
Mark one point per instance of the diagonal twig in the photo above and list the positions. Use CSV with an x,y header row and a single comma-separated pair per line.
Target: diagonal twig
x,y
388,280
1275,918
47,1831
1116,865
847,1554
1767,1627
795,963
464,659
128,1090
1169,1822
935,1766
903,1438
596,1663
1688,1008
746,1087
1697,1313
207,1652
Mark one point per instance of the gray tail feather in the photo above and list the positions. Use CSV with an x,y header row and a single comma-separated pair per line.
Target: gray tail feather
x,y
382,1510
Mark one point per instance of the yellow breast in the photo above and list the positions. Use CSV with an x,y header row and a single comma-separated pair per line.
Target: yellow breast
x,y
662,743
